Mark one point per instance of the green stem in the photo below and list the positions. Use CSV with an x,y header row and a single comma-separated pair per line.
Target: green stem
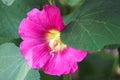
x,y
119,55
67,77
51,2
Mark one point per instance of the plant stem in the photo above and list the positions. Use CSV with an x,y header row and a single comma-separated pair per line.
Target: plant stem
x,y
119,55
67,77
51,2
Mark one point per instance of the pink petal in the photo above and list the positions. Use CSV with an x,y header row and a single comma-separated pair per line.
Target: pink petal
x,y
39,17
64,62
26,45
76,55
49,17
58,65
38,56
30,30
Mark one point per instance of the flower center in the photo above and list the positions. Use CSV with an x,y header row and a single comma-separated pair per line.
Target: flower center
x,y
55,44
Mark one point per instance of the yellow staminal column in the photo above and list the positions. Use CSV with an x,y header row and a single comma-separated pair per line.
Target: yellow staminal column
x,y
53,37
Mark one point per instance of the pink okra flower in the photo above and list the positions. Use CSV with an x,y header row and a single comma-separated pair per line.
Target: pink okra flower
x,y
42,47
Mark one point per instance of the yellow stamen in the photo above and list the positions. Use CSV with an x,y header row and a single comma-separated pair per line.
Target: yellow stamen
x,y
53,37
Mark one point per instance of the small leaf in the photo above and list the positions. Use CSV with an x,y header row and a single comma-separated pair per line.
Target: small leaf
x,y
95,24
8,2
72,3
13,66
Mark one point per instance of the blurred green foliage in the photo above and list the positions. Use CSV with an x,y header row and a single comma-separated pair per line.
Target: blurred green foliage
x,y
97,66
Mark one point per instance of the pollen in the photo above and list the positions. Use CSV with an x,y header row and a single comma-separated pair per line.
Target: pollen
x,y
55,44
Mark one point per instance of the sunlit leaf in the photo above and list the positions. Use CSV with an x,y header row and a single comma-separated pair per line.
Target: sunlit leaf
x,y
13,65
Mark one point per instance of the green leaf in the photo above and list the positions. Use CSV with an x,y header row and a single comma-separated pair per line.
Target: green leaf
x,y
11,17
98,66
8,2
13,65
95,24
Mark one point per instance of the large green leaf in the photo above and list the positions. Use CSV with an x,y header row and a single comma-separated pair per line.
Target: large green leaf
x,y
13,66
95,24
12,15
